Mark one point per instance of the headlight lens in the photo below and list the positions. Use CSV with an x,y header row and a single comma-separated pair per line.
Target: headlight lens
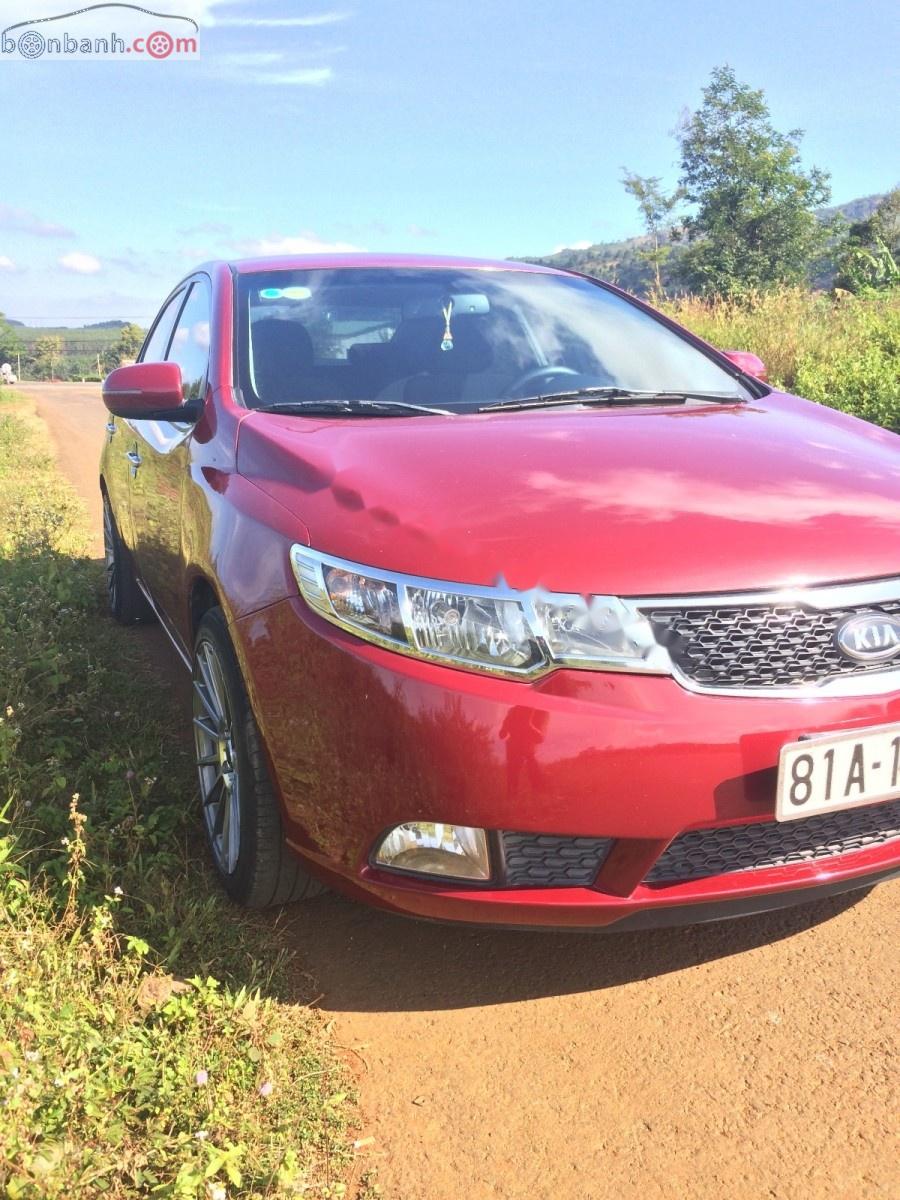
x,y
521,634
350,596
598,628
365,601
473,629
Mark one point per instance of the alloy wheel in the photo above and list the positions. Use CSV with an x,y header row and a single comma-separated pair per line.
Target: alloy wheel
x,y
217,766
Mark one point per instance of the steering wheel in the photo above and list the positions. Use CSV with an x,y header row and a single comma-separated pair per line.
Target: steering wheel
x,y
532,377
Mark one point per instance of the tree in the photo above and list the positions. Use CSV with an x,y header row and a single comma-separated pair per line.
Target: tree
x,y
45,355
656,209
884,222
871,255
754,224
10,343
125,348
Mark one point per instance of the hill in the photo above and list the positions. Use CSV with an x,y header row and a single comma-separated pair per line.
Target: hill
x,y
618,262
91,339
853,210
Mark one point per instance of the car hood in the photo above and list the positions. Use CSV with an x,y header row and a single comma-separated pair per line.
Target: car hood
x,y
775,492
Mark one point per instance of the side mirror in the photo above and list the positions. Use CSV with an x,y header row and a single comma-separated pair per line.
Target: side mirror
x,y
749,363
148,392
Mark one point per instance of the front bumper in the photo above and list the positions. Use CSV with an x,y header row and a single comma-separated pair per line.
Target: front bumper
x,y
361,739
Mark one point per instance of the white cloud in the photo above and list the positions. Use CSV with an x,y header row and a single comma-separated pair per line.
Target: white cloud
x,y
6,263
20,220
80,263
249,58
585,245
301,77
303,243
310,22
251,67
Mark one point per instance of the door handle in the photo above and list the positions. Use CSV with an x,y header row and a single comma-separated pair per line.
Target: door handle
x,y
111,429
135,460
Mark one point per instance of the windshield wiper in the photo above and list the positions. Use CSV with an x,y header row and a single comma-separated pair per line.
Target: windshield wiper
x,y
610,395
354,407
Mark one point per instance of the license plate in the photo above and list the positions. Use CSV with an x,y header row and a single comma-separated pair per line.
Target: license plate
x,y
831,771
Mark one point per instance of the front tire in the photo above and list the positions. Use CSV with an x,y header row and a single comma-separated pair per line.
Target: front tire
x,y
240,809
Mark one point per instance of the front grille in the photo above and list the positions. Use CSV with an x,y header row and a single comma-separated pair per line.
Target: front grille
x,y
704,852
759,645
546,860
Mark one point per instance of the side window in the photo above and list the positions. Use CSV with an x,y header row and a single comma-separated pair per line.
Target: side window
x,y
157,343
190,342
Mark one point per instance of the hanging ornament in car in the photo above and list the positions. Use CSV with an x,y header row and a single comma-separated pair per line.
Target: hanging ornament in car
x,y
447,342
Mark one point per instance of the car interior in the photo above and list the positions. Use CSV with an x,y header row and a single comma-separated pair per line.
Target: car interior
x,y
403,357
487,354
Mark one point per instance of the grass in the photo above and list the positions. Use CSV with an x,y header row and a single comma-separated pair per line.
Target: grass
x,y
841,351
154,1042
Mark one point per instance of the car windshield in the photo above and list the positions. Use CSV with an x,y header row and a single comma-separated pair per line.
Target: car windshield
x,y
452,339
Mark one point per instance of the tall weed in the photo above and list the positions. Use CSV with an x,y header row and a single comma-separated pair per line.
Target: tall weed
x,y
842,351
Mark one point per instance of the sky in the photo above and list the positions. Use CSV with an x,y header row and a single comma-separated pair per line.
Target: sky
x,y
490,128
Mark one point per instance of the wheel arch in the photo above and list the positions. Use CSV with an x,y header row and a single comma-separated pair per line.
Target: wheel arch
x,y
202,597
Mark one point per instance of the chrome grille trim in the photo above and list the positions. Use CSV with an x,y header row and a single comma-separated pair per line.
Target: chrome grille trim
x,y
701,853
839,600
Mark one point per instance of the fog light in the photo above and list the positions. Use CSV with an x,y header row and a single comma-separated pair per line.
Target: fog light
x,y
430,848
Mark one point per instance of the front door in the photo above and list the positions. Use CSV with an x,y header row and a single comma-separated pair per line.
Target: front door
x,y
164,448
123,460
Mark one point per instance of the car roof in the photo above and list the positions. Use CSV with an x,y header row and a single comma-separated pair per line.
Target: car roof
x,y
331,260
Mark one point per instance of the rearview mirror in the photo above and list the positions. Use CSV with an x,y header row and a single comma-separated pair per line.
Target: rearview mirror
x,y
432,305
148,392
749,363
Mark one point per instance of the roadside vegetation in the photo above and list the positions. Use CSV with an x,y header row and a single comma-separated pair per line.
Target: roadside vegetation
x,y
68,354
841,350
154,1041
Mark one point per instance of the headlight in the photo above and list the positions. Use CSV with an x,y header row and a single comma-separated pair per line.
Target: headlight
x,y
517,634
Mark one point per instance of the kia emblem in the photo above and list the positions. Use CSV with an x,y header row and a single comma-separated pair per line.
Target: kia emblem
x,y
869,637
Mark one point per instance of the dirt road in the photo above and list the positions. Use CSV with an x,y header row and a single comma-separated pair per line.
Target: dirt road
x,y
74,415
751,1059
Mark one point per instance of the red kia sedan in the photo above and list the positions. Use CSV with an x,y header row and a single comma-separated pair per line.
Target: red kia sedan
x,y
506,599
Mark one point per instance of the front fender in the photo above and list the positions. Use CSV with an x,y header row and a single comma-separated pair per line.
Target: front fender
x,y
238,539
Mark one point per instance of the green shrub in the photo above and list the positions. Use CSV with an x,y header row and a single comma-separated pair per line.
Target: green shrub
x,y
863,382
120,1082
113,933
842,350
